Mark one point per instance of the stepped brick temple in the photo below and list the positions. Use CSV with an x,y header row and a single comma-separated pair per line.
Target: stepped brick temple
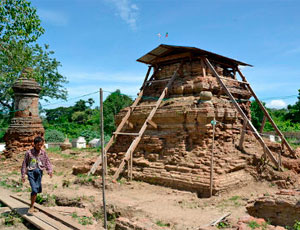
x,y
186,129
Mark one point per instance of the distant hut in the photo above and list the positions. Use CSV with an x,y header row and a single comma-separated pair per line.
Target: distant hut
x,y
79,143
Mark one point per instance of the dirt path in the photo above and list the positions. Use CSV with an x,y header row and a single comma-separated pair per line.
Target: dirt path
x,y
133,200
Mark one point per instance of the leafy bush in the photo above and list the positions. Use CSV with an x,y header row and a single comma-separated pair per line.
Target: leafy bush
x,y
296,225
90,134
54,136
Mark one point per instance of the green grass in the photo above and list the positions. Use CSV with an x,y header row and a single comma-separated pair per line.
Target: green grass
x,y
253,224
85,179
234,198
223,224
98,215
11,218
296,225
162,224
58,173
83,220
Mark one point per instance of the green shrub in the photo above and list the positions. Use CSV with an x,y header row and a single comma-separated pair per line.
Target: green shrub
x,y
54,136
296,225
90,134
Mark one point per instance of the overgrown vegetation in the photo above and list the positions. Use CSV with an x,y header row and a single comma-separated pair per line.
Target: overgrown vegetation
x,y
11,218
223,224
296,225
83,120
162,224
287,120
83,220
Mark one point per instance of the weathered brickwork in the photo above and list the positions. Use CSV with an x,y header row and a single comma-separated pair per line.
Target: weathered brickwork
x,y
26,123
177,153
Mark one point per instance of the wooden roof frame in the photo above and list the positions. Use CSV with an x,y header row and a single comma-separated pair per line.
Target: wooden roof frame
x,y
168,53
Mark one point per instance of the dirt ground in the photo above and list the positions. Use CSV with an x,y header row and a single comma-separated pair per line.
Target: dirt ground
x,y
166,208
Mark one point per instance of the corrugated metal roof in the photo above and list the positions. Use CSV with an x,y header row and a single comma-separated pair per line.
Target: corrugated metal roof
x,y
163,51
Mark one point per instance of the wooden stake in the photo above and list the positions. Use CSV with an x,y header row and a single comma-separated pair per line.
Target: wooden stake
x,y
136,141
123,122
103,159
131,164
203,68
268,116
263,124
250,125
213,122
241,147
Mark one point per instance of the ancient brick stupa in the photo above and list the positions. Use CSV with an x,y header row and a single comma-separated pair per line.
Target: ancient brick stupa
x,y
189,91
26,123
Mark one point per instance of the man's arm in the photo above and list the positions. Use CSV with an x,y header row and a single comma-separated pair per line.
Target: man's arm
x,y
24,166
48,165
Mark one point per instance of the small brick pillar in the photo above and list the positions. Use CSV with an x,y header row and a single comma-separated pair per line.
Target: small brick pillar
x,y
26,123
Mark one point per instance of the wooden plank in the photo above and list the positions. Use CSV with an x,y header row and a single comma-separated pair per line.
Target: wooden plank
x,y
140,106
212,158
55,224
136,141
119,128
268,115
241,147
22,210
263,124
203,67
231,79
153,124
256,134
129,124
159,80
128,134
66,220
172,57
214,223
104,159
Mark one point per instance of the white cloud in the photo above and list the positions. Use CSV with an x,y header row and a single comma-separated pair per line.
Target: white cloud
x,y
127,11
53,17
276,104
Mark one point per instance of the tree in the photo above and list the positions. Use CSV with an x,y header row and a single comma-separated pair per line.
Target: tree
x,y
256,114
111,107
294,111
20,27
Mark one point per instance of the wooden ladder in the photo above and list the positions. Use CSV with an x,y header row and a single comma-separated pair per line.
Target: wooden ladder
x,y
135,142
120,126
138,135
247,122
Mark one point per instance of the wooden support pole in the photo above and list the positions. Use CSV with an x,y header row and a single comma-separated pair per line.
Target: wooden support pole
x,y
203,67
213,122
123,122
241,147
263,123
268,115
103,153
131,164
130,125
136,141
253,129
280,153
153,124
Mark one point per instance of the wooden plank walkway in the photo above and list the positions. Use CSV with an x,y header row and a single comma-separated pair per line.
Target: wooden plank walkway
x,y
45,219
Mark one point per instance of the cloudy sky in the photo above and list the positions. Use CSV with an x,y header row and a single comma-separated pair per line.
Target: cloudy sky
x,y
98,41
